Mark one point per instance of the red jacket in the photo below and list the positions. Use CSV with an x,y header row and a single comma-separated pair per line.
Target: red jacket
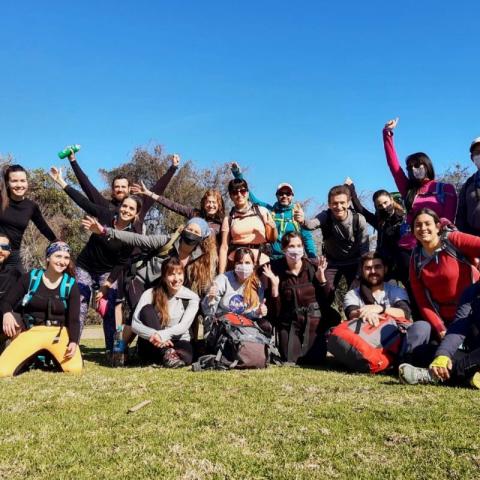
x,y
445,278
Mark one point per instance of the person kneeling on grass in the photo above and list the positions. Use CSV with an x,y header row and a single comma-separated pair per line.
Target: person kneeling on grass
x,y
457,359
374,298
47,319
163,317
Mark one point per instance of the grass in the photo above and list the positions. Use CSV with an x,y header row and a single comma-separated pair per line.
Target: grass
x,y
279,423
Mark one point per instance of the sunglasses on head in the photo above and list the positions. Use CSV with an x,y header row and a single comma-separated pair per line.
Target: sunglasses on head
x,y
242,191
5,246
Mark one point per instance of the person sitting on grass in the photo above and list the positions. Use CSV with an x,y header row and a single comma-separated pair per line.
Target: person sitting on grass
x,y
239,291
374,298
441,268
457,359
163,317
46,320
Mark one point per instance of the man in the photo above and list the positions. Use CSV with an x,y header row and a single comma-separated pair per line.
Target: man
x,y
120,186
282,213
8,276
468,213
345,236
374,297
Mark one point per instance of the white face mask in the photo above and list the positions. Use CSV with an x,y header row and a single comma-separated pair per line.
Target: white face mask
x,y
476,161
419,173
294,253
243,270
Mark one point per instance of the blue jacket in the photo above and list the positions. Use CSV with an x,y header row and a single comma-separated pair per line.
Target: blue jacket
x,y
285,223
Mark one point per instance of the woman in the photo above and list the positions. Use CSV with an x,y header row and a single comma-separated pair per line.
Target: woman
x,y
49,306
441,268
387,221
299,290
247,225
419,188
16,212
212,208
193,246
163,317
238,291
100,256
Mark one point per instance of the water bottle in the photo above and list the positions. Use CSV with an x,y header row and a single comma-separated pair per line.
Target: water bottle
x,y
118,353
68,151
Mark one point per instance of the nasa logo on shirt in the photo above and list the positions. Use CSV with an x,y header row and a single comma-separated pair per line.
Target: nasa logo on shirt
x,y
236,304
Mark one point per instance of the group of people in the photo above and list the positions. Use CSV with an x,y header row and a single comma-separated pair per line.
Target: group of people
x,y
258,260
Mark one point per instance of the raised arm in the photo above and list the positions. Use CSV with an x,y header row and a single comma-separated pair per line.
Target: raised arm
x,y
237,173
370,217
149,242
86,185
399,176
159,187
215,293
83,202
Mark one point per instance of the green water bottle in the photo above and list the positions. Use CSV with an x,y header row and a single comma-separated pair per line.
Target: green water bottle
x,y
68,151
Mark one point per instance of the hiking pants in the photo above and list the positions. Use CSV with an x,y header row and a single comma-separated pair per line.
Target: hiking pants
x,y
30,342
148,352
85,282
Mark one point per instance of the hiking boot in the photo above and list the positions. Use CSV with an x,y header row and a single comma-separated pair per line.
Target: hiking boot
x,y
475,381
414,375
171,359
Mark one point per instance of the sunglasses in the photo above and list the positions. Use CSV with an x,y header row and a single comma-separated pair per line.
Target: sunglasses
x,y
241,191
5,246
284,194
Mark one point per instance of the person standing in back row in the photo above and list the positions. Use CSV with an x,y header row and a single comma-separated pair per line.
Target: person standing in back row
x,y
468,213
345,236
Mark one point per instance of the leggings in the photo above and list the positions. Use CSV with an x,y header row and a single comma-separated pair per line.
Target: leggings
x,y
27,344
148,352
85,281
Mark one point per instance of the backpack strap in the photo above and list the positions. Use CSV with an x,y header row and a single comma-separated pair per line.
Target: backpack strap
x,y
35,279
440,192
65,288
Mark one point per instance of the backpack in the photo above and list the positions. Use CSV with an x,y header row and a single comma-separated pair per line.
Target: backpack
x,y
35,279
151,262
237,342
367,349
419,261
327,227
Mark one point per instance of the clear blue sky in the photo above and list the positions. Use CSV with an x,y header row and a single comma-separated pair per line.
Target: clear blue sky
x,y
296,91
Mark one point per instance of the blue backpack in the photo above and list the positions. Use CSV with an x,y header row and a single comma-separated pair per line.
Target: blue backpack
x,y
35,279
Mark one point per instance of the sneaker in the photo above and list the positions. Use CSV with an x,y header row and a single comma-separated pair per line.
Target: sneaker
x,y
414,375
475,381
171,359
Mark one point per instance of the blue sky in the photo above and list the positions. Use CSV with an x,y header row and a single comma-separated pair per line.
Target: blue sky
x,y
295,91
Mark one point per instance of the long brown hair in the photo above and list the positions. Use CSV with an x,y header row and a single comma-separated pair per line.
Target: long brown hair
x,y
201,272
5,192
221,205
160,292
252,284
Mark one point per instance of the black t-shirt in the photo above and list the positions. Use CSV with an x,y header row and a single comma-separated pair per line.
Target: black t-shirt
x,y
46,304
14,221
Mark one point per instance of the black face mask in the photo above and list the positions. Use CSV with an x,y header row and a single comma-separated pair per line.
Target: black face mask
x,y
190,239
385,212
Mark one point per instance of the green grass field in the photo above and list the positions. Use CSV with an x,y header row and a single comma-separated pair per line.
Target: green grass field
x,y
279,423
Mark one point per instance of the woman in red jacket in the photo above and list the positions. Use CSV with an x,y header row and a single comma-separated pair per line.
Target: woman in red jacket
x,y
441,268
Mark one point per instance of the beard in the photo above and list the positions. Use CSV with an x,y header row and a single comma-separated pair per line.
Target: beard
x,y
373,280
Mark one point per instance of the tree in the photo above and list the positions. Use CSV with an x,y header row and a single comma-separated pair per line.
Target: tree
x,y
187,187
456,175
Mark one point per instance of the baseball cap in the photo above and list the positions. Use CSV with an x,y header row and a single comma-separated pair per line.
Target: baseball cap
x,y
287,186
475,141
